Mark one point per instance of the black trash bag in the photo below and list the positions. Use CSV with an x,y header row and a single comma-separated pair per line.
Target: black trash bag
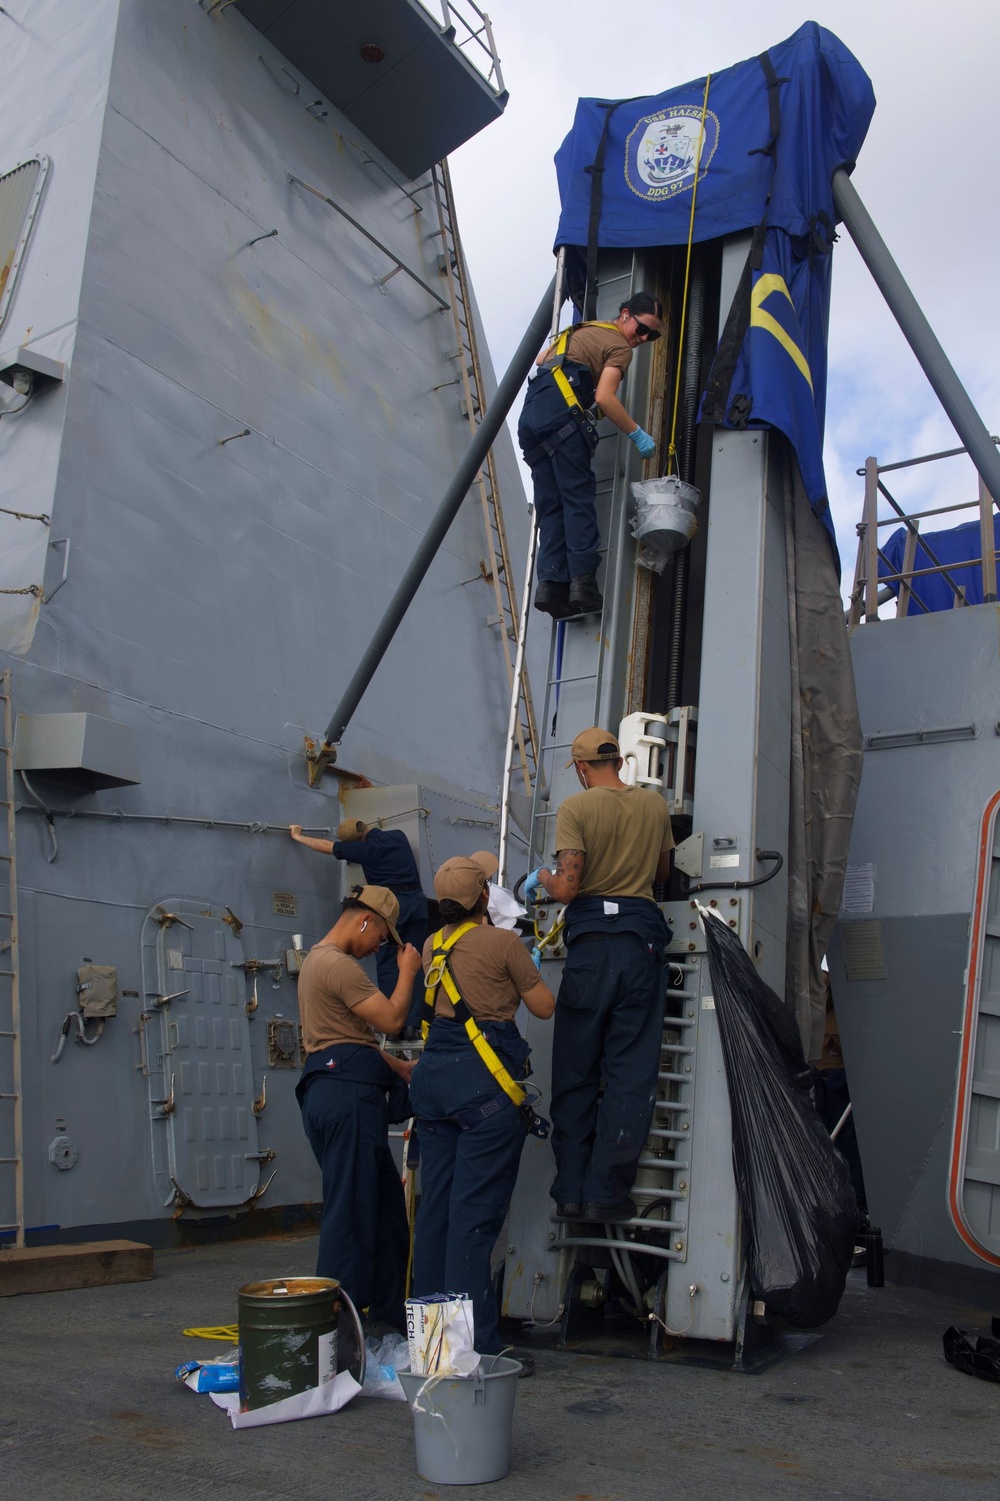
x,y
799,1208
981,1359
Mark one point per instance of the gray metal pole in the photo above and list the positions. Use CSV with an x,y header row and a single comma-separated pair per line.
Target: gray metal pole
x,y
918,332
524,357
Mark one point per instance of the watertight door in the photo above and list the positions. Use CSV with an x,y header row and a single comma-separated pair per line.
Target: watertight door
x,y
200,1072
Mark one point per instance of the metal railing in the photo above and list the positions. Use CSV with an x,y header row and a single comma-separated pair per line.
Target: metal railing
x,y
473,36
873,588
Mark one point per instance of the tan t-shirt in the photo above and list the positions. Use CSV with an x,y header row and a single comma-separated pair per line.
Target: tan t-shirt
x,y
492,969
331,984
622,832
598,347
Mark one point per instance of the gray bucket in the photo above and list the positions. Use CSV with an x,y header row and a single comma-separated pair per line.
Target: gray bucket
x,y
462,1424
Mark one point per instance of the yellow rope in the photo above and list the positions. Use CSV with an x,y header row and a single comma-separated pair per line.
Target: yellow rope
x,y
229,1332
672,449
411,1215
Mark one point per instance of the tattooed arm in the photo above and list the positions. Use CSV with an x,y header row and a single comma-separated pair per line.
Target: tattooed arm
x,y
563,883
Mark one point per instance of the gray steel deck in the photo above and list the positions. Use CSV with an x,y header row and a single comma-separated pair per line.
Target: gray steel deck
x,y
89,1408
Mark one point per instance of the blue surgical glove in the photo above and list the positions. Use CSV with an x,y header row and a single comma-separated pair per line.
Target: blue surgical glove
x,y
532,886
536,957
642,442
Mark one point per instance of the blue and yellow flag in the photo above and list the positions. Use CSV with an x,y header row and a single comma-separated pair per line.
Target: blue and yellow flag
x,y
764,146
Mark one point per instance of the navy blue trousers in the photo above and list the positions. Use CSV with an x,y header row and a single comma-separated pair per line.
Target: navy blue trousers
x,y
565,490
608,1025
467,1173
413,927
363,1233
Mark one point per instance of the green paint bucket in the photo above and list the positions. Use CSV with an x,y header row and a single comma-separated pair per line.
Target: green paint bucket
x,y
288,1337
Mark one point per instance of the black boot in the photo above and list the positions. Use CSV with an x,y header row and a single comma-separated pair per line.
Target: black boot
x,y
552,596
584,596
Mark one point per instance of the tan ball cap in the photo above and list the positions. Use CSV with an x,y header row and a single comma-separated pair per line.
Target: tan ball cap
x,y
460,880
380,899
594,744
351,828
488,863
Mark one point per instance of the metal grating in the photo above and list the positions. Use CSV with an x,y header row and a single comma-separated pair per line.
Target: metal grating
x,y
20,190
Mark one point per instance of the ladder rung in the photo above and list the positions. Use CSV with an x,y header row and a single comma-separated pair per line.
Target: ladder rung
x,y
8,1034
7,974
9,1161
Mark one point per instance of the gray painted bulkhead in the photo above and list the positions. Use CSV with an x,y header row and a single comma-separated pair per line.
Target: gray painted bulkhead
x,y
219,594
899,959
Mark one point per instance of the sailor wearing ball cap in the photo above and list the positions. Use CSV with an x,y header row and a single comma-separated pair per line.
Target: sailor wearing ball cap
x,y
344,1094
612,843
470,1131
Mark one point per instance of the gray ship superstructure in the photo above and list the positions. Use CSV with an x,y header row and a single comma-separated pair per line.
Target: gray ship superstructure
x,y
241,367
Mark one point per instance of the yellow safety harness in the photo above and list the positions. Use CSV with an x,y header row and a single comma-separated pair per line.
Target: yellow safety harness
x,y
440,977
559,349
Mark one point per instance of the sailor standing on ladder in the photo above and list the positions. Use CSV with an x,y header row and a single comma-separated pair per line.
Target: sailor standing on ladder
x,y
612,843
472,1113
558,438
386,859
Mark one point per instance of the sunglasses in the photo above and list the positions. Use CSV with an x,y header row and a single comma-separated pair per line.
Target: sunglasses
x,y
644,331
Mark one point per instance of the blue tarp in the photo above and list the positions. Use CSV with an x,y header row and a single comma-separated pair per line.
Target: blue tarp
x,y
954,548
766,164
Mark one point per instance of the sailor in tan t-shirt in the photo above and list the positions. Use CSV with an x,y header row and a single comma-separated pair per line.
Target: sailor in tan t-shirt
x,y
558,439
469,1131
343,1094
612,843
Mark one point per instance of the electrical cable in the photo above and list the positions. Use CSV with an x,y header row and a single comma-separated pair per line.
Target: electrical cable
x,y
49,816
625,1269
81,1037
531,1307
774,855
677,1333
653,1204
229,1332
16,411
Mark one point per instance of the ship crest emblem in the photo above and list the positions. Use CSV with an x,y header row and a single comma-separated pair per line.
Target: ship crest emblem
x,y
664,151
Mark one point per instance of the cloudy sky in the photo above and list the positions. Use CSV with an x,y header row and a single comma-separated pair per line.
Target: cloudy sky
x,y
928,174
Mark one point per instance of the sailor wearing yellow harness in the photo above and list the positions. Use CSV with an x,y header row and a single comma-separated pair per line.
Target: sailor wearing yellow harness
x,y
558,438
472,1113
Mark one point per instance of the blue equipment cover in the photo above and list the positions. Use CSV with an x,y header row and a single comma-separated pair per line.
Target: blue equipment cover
x,y
956,548
776,129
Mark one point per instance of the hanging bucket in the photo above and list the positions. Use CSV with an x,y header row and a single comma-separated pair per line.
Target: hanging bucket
x,y
462,1425
665,518
288,1337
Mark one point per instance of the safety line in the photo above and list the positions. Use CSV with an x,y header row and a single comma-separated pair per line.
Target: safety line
x,y
672,448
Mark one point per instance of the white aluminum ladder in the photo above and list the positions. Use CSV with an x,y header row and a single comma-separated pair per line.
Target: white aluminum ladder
x,y
497,565
11,1105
